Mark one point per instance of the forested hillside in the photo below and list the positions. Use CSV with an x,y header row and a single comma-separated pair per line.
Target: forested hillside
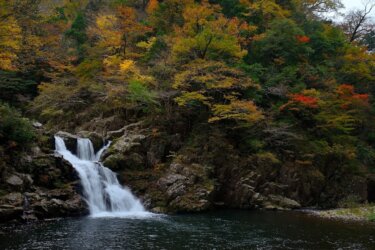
x,y
241,103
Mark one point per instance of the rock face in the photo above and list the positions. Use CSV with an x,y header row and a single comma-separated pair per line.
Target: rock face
x,y
39,185
123,153
172,173
187,188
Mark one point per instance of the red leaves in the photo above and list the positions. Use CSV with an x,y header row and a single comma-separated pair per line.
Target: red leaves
x,y
307,101
345,90
361,97
303,39
350,98
298,101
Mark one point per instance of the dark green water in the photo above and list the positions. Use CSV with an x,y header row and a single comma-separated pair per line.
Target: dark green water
x,y
217,230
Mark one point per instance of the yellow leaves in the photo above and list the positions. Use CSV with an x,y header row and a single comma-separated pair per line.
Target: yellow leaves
x,y
359,63
126,66
216,86
152,6
106,21
268,8
211,75
10,42
238,110
107,30
189,98
111,63
197,15
207,34
147,45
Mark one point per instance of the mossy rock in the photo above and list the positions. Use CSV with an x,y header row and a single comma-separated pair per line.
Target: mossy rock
x,y
120,161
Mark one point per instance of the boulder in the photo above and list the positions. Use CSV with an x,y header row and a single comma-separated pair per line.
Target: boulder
x,y
119,161
125,152
14,199
15,181
280,202
37,125
127,141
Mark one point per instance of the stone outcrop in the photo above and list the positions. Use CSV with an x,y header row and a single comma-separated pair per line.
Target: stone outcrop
x,y
187,188
39,185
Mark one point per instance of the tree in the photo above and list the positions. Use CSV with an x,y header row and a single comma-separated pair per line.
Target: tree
x,y
218,88
118,33
357,23
207,34
10,36
283,44
318,7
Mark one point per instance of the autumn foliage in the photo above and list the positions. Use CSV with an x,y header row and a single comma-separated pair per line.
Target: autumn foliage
x,y
304,100
303,39
268,74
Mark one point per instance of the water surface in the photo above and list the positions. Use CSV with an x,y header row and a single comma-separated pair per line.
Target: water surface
x,y
228,229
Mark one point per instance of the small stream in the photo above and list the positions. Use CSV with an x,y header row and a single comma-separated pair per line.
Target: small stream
x,y
226,229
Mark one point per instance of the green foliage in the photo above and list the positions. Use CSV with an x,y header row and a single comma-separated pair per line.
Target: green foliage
x,y
280,45
14,128
168,14
371,217
281,83
350,201
231,8
12,86
140,95
88,69
77,32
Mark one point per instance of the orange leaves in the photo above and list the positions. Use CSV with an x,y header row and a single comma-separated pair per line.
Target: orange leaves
x,y
308,101
350,98
345,90
303,39
152,6
361,97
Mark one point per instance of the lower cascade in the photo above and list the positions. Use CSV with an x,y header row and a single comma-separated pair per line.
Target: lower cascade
x,y
102,191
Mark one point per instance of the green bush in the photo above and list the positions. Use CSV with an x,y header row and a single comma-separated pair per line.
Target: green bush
x,y
371,217
13,127
139,95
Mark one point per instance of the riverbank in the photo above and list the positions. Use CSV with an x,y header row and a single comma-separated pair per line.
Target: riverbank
x,y
361,213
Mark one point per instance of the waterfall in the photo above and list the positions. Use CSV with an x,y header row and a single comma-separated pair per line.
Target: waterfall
x,y
101,189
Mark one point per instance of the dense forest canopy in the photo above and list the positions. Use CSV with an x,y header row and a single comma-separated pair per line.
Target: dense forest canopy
x,y
274,76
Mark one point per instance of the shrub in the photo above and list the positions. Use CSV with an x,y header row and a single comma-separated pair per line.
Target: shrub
x,y
14,129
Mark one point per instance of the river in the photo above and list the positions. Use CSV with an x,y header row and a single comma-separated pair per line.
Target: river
x,y
226,229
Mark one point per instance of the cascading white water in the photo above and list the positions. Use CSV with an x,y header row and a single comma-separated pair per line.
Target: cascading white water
x,y
102,191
